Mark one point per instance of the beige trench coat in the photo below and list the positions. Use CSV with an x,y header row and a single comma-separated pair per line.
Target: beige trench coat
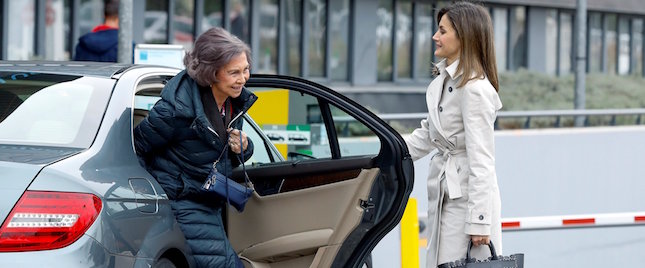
x,y
463,196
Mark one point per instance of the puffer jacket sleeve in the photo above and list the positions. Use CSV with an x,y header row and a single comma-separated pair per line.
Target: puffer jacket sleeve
x,y
156,130
480,103
418,142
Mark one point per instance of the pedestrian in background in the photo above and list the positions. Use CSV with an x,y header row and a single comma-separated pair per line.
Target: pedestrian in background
x,y
102,43
464,200
200,111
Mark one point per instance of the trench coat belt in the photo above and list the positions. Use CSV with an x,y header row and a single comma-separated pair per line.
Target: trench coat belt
x,y
450,170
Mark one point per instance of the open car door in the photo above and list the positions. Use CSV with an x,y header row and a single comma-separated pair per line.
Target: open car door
x,y
331,178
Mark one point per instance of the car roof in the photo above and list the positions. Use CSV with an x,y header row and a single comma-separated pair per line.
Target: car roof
x,y
84,68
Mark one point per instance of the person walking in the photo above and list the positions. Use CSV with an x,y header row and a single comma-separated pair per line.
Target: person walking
x,y
200,111
103,42
464,200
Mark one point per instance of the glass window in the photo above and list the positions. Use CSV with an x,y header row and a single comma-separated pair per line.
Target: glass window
x,y
611,46
353,135
566,43
32,111
423,35
183,23
317,17
56,30
239,17
518,38
594,53
500,22
404,39
20,36
90,15
212,14
155,22
384,40
293,14
339,29
637,34
551,41
268,58
292,122
623,46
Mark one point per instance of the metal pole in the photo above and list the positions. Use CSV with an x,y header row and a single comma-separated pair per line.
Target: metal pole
x,y
125,31
579,98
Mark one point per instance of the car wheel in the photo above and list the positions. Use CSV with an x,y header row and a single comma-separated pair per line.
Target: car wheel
x,y
164,263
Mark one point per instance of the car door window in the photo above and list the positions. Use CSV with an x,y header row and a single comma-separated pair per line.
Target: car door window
x,y
292,122
354,138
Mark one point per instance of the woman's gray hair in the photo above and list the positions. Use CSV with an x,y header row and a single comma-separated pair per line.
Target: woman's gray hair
x,y
212,50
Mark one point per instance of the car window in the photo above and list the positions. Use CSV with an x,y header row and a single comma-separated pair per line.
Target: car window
x,y
51,110
292,122
354,138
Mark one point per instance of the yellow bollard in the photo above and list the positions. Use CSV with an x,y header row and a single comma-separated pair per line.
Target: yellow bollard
x,y
410,236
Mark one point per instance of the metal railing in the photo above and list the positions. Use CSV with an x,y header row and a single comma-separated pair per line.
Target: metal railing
x,y
528,115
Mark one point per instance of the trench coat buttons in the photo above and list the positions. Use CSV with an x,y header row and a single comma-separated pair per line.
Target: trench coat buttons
x,y
481,217
440,109
449,89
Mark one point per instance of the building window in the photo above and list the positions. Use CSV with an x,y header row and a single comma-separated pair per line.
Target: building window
x,y
268,31
317,21
404,39
56,34
182,23
551,41
20,37
594,53
623,46
423,35
339,30
637,48
293,14
212,15
517,44
155,22
500,28
384,40
238,19
566,43
611,46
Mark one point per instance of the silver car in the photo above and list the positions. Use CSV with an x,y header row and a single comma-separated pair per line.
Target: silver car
x,y
73,193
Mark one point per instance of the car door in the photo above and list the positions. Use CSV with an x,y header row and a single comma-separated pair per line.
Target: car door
x,y
344,184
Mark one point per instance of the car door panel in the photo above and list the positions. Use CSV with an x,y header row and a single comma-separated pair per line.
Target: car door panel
x,y
319,217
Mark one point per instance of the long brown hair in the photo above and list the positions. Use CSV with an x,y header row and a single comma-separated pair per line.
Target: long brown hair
x,y
475,33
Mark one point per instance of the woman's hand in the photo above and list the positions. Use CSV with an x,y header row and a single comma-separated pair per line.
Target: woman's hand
x,y
234,140
479,240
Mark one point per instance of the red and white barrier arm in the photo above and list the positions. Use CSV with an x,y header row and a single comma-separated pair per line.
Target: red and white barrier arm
x,y
573,221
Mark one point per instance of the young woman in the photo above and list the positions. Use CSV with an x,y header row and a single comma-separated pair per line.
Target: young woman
x,y
188,129
464,201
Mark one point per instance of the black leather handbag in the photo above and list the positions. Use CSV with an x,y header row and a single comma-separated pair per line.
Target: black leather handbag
x,y
494,261
234,193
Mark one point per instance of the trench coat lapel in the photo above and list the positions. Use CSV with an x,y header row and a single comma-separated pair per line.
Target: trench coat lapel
x,y
434,96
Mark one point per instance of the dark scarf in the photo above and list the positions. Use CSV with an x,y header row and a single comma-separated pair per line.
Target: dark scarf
x,y
214,115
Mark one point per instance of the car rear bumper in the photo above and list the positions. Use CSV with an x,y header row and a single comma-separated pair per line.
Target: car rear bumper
x,y
85,252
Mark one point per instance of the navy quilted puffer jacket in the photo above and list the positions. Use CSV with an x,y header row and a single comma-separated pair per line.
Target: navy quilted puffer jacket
x,y
178,145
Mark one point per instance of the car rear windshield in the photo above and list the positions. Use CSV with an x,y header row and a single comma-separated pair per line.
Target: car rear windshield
x,y
51,109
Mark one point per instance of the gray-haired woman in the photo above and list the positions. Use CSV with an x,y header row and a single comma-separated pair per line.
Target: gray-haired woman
x,y
185,132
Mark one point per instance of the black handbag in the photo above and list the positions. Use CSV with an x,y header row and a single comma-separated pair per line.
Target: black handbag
x,y
494,261
234,193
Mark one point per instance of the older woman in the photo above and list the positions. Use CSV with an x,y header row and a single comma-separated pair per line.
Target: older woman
x,y
185,132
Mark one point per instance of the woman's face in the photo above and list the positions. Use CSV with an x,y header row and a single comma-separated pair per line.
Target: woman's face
x,y
231,77
447,43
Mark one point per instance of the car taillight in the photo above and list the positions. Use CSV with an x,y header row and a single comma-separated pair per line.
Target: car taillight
x,y
48,220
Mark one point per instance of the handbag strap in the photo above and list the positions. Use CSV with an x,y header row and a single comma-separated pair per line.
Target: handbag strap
x,y
493,254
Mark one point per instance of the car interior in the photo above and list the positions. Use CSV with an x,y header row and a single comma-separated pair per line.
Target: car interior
x,y
310,194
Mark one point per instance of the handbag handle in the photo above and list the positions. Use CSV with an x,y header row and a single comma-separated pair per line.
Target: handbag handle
x,y
493,253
